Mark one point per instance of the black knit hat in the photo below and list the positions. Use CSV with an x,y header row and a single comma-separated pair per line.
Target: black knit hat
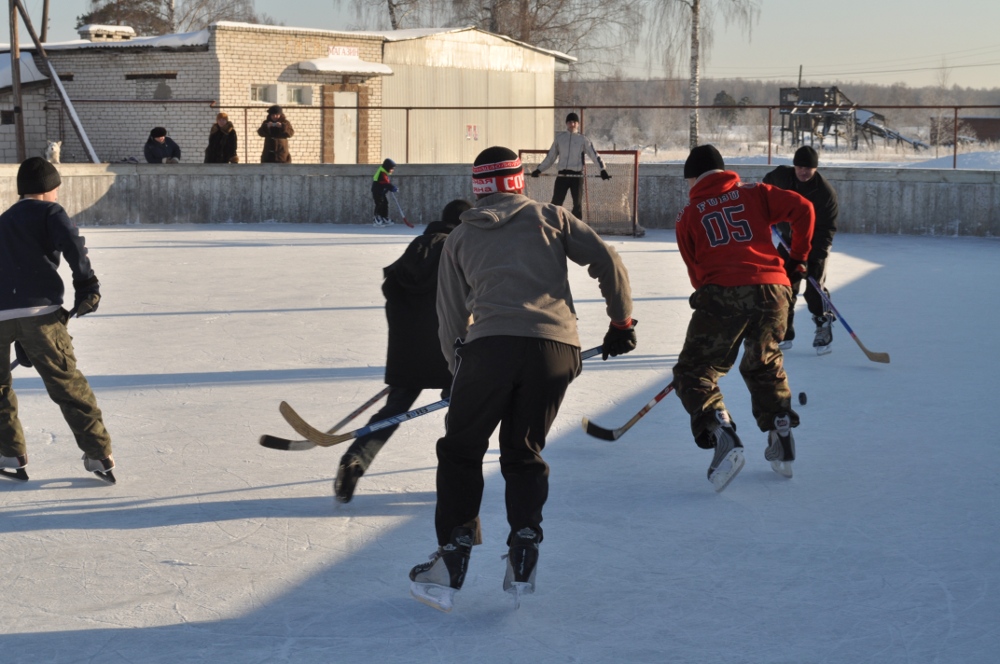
x,y
572,117
275,110
703,159
806,157
157,132
388,164
452,211
497,169
37,176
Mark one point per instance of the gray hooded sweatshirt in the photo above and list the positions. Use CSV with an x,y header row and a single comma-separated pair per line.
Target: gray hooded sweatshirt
x,y
505,266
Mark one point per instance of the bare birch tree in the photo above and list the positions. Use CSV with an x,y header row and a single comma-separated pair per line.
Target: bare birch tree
x,y
157,17
674,24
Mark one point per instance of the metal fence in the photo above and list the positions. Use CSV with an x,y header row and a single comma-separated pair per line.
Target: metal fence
x,y
651,129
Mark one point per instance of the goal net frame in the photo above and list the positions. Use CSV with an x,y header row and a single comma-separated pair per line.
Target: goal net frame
x,y
610,207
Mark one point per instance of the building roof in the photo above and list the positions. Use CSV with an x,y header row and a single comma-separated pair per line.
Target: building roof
x,y
200,38
345,64
29,71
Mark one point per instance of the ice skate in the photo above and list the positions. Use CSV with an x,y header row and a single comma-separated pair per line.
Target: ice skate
x,y
522,562
435,582
728,460
348,474
824,334
13,467
786,343
781,446
101,468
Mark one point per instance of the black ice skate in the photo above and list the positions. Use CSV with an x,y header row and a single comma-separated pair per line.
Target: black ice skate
x,y
13,467
435,582
728,460
522,562
824,334
101,468
348,474
781,446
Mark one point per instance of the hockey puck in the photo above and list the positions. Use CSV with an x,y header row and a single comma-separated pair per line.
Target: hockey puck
x,y
802,398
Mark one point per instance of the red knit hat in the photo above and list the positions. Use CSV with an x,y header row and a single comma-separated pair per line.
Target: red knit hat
x,y
497,169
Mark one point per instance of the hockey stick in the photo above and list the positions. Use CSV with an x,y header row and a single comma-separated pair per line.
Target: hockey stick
x,y
614,434
398,207
873,356
314,435
276,443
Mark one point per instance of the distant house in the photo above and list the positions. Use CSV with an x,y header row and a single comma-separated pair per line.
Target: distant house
x,y
352,97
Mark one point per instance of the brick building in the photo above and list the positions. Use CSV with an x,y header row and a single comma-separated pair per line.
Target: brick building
x,y
332,86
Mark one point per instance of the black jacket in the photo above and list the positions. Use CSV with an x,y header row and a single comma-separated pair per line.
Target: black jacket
x,y
155,152
221,145
824,199
33,235
414,357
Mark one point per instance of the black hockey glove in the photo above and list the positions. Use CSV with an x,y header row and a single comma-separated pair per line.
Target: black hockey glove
x,y
22,357
535,173
796,271
88,296
605,175
618,341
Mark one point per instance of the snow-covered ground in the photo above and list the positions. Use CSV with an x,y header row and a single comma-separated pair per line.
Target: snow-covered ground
x,y
882,549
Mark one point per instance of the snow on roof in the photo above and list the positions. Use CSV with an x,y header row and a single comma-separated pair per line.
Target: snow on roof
x,y
344,64
29,71
197,38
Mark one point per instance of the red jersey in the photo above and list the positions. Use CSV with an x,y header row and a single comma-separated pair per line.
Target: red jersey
x,y
724,232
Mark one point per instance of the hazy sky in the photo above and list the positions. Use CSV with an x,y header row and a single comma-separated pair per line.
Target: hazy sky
x,y
880,41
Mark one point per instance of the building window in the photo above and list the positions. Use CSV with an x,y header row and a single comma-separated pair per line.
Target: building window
x,y
6,117
264,93
298,94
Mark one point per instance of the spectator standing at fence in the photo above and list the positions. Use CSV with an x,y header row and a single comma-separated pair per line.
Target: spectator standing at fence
x,y
276,130
381,187
160,148
803,178
567,152
222,144
35,233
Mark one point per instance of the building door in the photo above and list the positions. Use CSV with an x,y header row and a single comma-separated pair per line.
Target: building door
x,y
345,127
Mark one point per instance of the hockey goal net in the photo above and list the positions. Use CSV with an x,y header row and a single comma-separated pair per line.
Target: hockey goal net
x,y
610,206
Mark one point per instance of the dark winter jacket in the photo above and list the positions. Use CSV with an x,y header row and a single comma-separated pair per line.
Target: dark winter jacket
x,y
33,235
382,184
276,135
221,145
824,199
414,358
157,152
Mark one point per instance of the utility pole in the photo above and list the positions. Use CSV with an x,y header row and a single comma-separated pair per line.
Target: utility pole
x,y
44,37
15,82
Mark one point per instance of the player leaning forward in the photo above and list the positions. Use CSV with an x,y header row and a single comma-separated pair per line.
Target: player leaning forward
x,y
742,294
506,266
34,232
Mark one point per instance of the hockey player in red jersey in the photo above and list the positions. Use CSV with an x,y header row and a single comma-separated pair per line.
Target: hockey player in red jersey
x,y
742,294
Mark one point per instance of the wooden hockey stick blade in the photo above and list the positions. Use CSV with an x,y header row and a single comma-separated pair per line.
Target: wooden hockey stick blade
x,y
614,434
287,444
873,356
308,431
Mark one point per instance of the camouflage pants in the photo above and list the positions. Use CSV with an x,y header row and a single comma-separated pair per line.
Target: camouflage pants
x,y
723,318
50,348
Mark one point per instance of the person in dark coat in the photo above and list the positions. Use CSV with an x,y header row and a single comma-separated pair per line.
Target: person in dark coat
x,y
35,233
276,130
414,361
804,179
160,148
222,142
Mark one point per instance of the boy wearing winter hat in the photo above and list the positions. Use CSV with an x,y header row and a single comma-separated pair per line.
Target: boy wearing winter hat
x,y
803,178
742,293
34,233
381,186
567,152
505,269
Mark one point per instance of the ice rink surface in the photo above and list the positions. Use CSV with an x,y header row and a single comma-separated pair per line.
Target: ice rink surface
x,y
881,549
